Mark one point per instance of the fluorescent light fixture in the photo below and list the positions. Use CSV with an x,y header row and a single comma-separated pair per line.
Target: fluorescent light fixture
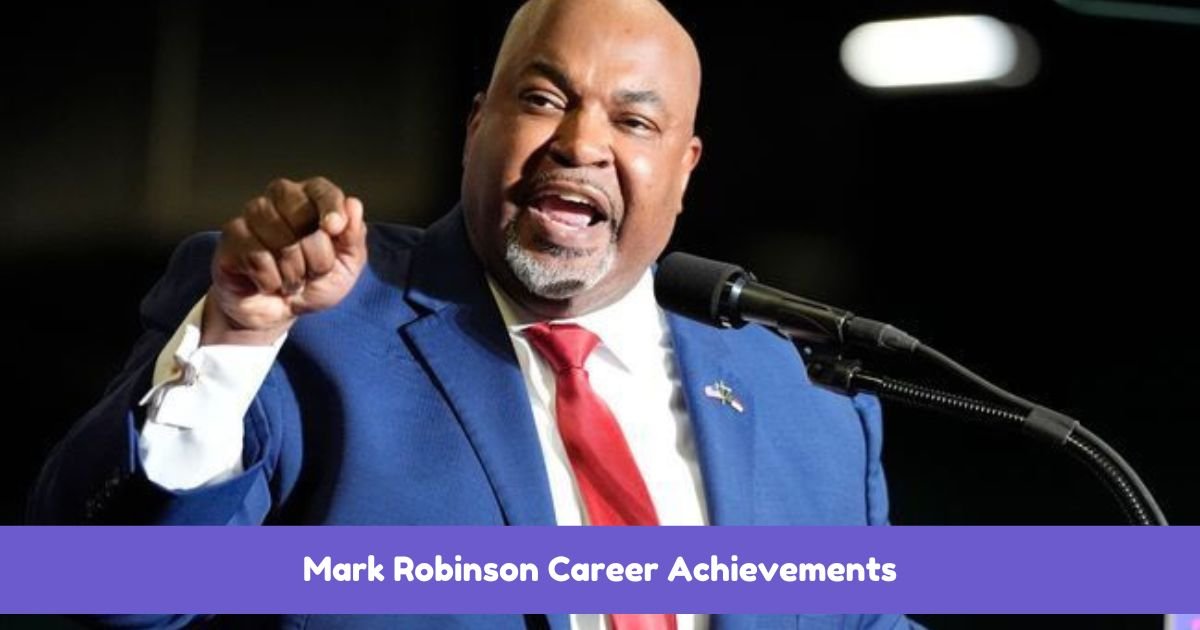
x,y
948,50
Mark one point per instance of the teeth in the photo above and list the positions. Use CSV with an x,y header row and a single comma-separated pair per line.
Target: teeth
x,y
573,198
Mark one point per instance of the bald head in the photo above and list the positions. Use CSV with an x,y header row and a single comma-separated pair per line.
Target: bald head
x,y
644,21
578,155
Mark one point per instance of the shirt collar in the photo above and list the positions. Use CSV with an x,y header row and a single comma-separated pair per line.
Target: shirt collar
x,y
630,328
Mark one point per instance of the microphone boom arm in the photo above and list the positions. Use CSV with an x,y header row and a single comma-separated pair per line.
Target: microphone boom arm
x,y
1134,497
725,295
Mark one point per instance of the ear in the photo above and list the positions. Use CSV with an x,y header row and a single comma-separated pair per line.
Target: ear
x,y
473,121
691,157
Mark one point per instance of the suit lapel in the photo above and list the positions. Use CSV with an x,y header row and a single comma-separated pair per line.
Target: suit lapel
x,y
724,434
463,341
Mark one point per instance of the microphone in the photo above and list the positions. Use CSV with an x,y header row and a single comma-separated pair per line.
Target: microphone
x,y
727,296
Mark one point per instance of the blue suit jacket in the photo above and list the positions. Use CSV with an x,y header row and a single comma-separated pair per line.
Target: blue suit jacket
x,y
405,405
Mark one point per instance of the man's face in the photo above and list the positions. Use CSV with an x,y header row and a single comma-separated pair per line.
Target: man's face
x,y
577,158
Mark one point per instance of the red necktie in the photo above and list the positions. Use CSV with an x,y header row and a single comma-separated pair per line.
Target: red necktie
x,y
612,488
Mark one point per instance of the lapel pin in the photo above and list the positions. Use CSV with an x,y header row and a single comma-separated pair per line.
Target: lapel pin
x,y
722,392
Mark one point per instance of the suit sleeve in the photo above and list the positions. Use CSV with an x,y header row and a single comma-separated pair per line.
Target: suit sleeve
x,y
871,413
94,475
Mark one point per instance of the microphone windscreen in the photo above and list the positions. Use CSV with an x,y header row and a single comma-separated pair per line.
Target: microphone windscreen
x,y
693,286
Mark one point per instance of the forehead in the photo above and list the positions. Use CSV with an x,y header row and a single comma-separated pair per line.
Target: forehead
x,y
605,52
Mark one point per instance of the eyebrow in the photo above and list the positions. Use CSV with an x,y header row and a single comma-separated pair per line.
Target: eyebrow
x,y
623,97
640,97
551,72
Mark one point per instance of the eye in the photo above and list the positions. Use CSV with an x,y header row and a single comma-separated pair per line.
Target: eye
x,y
541,100
638,125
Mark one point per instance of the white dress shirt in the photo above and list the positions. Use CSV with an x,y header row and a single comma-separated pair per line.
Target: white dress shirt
x,y
633,370
193,433
195,409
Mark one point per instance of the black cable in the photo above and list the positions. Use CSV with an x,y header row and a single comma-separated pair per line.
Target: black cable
x,y
1084,443
1102,457
1136,501
977,380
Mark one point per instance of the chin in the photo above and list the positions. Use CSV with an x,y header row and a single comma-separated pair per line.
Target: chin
x,y
557,275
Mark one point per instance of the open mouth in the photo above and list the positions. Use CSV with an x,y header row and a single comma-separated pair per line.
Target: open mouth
x,y
569,210
570,206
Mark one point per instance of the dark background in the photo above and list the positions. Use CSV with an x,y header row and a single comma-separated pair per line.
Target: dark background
x,y
1039,235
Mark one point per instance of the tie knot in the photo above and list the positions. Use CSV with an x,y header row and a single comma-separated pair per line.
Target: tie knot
x,y
564,346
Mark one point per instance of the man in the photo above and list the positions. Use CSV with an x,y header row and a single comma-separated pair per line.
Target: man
x,y
506,366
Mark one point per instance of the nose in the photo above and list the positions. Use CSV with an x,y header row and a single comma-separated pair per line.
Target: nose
x,y
583,138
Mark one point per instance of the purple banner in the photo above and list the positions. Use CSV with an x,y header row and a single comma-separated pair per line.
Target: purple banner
x,y
594,569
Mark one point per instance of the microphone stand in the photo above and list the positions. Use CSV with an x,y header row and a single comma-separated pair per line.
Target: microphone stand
x,y
1134,497
727,296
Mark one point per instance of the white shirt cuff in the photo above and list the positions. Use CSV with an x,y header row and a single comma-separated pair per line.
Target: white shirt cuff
x,y
197,405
